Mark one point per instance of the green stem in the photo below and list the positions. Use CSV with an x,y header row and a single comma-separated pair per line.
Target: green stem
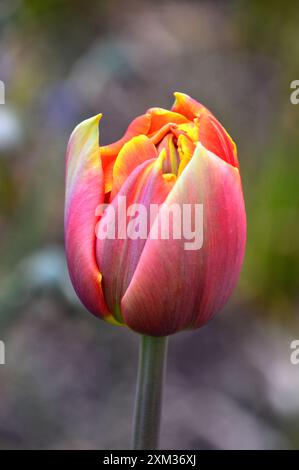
x,y
148,404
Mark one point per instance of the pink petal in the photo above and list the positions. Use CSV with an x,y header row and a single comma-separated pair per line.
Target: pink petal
x,y
119,257
214,137
84,191
173,288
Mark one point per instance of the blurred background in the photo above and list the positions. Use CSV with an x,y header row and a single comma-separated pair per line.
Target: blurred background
x,y
69,379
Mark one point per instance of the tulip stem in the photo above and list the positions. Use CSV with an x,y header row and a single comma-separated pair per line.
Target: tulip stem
x,y
148,404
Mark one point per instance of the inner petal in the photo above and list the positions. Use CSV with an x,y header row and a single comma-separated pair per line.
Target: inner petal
x,y
136,151
186,150
160,117
140,125
172,159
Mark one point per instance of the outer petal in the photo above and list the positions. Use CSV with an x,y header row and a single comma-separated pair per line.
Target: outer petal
x,y
214,137
119,257
173,288
84,191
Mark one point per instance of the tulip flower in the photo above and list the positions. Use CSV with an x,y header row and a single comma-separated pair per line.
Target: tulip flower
x,y
154,285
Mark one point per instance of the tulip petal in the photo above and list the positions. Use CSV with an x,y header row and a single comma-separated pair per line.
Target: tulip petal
x,y
161,133
84,191
160,117
133,153
186,149
173,288
214,137
190,129
187,106
139,126
171,162
118,256
210,132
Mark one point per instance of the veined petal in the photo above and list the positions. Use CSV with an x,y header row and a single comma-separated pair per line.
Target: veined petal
x,y
133,153
174,288
139,126
118,254
84,191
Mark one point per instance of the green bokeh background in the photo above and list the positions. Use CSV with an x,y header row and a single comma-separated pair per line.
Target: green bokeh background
x,y
69,379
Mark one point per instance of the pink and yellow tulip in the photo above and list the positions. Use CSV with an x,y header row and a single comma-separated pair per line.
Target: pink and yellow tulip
x,y
155,286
